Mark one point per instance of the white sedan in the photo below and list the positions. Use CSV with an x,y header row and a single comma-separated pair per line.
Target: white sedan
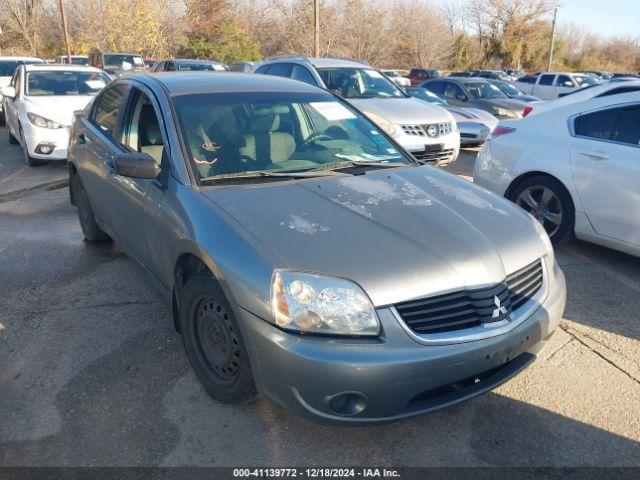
x,y
575,168
39,106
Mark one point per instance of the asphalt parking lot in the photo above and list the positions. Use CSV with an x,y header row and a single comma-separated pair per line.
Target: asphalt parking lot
x,y
93,374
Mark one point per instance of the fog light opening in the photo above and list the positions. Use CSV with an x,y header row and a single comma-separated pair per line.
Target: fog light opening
x,y
348,403
45,148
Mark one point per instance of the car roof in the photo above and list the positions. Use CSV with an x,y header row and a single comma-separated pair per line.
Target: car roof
x,y
193,60
13,59
48,68
181,83
319,62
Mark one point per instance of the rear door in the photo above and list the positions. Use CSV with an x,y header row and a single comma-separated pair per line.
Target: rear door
x,y
605,160
545,88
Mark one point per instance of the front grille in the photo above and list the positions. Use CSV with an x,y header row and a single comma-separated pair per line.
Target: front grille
x,y
468,135
471,308
434,154
443,128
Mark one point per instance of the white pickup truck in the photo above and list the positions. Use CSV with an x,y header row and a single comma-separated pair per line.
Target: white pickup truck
x,y
550,85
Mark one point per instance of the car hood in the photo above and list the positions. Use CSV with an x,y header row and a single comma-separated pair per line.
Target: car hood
x,y
401,234
57,108
403,111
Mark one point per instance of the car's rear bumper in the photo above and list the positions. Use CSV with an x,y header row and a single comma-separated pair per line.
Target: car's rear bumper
x,y
394,376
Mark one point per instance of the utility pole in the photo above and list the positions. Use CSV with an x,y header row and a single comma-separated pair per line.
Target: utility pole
x,y
66,32
553,36
316,28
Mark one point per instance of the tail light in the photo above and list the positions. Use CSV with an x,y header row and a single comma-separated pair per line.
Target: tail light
x,y
499,131
527,111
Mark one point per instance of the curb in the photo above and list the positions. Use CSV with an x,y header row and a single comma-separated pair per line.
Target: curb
x,y
21,192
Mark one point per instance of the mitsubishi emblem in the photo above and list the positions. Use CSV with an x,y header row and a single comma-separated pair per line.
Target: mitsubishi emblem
x,y
500,309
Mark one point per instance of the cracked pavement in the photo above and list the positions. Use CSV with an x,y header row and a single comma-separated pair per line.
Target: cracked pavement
x,y
93,374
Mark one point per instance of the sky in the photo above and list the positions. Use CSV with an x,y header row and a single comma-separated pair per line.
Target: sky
x,y
609,18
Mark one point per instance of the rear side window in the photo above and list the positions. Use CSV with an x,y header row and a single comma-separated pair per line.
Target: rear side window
x,y
546,79
597,125
628,126
107,109
280,69
302,74
616,91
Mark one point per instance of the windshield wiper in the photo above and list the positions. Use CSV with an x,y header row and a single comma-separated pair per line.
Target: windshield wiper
x,y
359,163
266,174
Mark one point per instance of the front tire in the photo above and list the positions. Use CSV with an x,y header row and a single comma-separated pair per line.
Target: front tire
x,y
90,229
547,199
213,341
29,160
12,140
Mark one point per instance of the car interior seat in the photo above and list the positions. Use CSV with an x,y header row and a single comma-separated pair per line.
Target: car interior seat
x,y
265,143
150,138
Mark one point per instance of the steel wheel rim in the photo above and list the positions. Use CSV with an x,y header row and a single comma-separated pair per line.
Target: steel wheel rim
x,y
544,205
218,342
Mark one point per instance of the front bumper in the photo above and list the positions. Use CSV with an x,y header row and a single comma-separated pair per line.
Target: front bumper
x,y
36,136
437,151
394,376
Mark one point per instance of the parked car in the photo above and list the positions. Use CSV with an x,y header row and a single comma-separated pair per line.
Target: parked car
x,y
396,78
549,85
603,76
598,91
474,124
186,65
8,66
427,131
460,74
40,103
477,93
244,67
582,179
75,60
117,64
514,92
305,255
418,75
492,75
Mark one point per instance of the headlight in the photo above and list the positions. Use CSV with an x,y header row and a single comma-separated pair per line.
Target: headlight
x,y
382,123
311,303
503,112
42,122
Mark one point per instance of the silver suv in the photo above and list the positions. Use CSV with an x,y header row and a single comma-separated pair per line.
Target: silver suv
x,y
428,132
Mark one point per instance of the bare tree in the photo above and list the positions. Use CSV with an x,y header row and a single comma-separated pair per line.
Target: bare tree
x,y
23,17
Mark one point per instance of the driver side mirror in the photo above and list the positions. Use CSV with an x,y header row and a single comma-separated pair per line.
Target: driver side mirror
x,y
136,165
568,84
461,97
8,92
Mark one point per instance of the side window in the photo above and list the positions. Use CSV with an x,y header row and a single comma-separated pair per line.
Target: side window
x,y
141,129
436,87
302,74
546,79
564,81
170,67
597,125
264,70
159,67
453,91
280,69
628,126
107,109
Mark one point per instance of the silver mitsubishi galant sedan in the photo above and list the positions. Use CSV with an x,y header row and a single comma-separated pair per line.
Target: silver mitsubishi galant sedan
x,y
306,255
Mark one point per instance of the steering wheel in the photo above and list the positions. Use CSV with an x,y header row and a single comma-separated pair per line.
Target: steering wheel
x,y
316,137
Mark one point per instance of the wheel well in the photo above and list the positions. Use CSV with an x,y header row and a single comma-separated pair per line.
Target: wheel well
x,y
73,171
518,180
187,265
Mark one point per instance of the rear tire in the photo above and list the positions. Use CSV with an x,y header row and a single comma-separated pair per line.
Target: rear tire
x,y
213,341
90,229
547,199
29,160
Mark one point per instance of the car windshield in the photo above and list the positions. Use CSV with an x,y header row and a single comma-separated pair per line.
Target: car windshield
x,y
8,67
119,60
424,94
390,73
359,83
585,80
508,89
483,90
185,67
61,82
276,133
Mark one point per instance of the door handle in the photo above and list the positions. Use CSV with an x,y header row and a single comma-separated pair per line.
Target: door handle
x,y
596,155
